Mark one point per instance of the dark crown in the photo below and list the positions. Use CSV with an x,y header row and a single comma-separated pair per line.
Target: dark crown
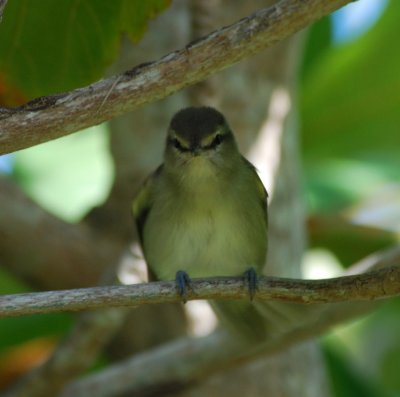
x,y
193,123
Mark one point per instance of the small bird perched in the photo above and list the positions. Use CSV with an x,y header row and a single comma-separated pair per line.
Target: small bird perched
x,y
203,212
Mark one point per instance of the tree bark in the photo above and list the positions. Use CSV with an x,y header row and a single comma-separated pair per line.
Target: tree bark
x,y
57,115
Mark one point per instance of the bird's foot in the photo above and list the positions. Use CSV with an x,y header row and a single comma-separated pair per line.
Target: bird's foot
x,y
182,281
251,279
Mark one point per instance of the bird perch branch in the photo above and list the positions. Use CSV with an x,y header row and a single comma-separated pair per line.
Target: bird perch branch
x,y
57,115
377,284
191,359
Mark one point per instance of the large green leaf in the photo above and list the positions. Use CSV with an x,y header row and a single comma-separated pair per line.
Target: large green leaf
x,y
49,46
350,99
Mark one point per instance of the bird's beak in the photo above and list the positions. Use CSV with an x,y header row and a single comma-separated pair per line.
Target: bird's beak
x,y
196,151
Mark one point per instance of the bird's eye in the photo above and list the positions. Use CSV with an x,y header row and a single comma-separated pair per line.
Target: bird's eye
x,y
217,140
177,145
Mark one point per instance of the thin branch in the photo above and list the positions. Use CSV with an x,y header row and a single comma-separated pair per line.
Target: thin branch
x,y
57,115
378,284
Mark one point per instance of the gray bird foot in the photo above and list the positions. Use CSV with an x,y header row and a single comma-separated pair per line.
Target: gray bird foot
x,y
251,279
182,281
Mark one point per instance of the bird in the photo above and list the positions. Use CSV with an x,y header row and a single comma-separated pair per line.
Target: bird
x,y
203,213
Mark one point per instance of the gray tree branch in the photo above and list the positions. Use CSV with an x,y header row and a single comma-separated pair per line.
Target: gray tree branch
x,y
374,285
57,115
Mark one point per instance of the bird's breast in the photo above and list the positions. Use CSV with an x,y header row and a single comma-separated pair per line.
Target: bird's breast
x,y
206,232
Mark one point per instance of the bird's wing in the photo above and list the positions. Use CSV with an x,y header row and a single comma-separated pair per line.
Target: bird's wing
x,y
262,192
143,201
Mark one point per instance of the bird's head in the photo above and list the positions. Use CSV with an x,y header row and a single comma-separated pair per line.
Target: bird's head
x,y
200,136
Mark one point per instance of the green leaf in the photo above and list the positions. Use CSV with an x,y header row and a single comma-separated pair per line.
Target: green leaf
x,y
319,40
363,356
135,15
350,101
49,46
57,45
349,109
345,380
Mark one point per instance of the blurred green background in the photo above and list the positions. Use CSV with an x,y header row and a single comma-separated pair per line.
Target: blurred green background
x,y
349,105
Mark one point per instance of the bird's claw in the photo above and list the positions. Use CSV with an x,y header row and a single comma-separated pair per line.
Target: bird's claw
x,y
182,281
251,279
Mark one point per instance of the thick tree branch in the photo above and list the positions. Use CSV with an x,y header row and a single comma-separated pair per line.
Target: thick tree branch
x,y
378,284
54,116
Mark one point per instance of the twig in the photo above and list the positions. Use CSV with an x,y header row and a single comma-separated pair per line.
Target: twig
x,y
378,284
57,115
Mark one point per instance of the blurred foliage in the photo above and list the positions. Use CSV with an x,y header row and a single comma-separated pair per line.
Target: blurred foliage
x,y
348,241
350,96
364,355
14,330
60,45
350,125
26,341
344,380
319,40
349,101
67,176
